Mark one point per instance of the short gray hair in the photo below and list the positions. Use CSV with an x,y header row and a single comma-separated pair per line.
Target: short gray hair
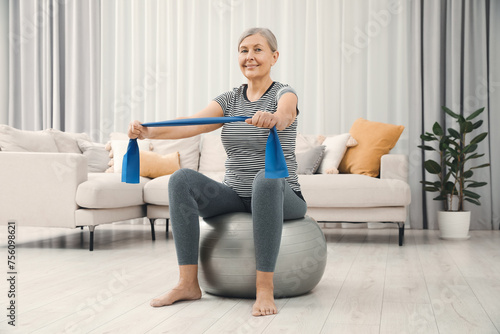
x,y
264,32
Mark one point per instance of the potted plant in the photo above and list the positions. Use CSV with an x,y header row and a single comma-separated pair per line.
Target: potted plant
x,y
454,185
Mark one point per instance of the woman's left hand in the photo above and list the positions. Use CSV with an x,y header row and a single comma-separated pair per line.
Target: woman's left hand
x,y
263,119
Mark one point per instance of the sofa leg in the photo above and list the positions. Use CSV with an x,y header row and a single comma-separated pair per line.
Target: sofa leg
x,y
166,223
152,222
91,240
401,233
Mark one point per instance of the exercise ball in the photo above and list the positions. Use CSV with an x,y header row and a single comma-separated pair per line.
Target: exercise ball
x,y
227,256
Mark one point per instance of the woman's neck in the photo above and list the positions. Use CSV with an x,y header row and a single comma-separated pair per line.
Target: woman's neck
x,y
257,88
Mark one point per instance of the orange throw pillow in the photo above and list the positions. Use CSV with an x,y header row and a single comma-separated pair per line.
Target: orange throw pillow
x,y
156,165
374,140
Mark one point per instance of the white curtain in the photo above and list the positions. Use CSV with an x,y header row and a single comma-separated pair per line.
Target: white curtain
x,y
163,59
460,69
54,55
4,61
94,66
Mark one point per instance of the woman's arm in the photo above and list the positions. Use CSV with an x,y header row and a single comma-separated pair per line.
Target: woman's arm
x,y
136,130
282,118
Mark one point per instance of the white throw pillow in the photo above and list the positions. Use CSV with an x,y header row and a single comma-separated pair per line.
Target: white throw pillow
x,y
336,147
118,136
213,155
15,140
119,148
188,148
305,142
97,156
67,142
309,160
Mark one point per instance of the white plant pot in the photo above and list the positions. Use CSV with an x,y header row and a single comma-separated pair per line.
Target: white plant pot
x,y
454,225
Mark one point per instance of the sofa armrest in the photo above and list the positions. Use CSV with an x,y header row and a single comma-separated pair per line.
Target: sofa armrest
x,y
38,189
394,166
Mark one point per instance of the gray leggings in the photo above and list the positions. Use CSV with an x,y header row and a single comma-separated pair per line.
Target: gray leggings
x,y
192,194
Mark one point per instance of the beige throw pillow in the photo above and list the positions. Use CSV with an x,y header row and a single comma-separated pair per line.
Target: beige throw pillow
x,y
155,165
374,140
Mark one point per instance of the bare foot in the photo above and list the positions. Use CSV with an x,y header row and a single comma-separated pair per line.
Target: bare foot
x,y
264,305
176,294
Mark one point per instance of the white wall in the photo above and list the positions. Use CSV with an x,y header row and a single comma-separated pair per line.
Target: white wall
x,y
4,61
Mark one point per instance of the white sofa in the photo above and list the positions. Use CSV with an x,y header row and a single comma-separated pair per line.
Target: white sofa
x,y
54,189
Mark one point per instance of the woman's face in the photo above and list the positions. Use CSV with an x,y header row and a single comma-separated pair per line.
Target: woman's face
x,y
255,57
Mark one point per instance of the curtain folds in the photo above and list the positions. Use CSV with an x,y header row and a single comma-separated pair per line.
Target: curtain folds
x,y
93,66
54,67
457,71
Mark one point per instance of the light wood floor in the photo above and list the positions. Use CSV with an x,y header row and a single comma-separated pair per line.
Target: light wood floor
x,y
371,285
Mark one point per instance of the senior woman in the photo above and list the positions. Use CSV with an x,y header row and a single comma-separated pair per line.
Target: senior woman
x,y
244,189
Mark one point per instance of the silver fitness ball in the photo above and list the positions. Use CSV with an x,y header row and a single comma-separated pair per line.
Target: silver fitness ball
x,y
227,256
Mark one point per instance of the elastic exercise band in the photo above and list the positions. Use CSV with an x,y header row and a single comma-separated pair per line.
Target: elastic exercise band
x,y
275,166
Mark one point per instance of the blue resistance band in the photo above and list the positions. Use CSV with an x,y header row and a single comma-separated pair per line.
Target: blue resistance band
x,y
275,166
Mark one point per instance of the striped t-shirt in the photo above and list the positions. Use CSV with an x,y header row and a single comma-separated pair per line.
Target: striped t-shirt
x,y
245,144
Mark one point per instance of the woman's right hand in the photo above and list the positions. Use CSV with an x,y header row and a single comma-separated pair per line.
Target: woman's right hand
x,y
136,130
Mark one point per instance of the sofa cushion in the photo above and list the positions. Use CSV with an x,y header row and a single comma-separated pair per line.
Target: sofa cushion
x,y
213,155
14,140
374,140
154,165
105,190
309,160
97,156
336,147
67,142
305,142
352,190
188,148
156,191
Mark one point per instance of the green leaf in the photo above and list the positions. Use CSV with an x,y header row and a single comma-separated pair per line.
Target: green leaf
x,y
449,187
476,184
454,168
449,112
427,137
437,129
470,148
466,127
480,166
475,201
432,167
443,145
479,138
475,114
433,184
454,133
431,189
469,193
475,156
453,153
427,148
478,124
440,198
468,174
